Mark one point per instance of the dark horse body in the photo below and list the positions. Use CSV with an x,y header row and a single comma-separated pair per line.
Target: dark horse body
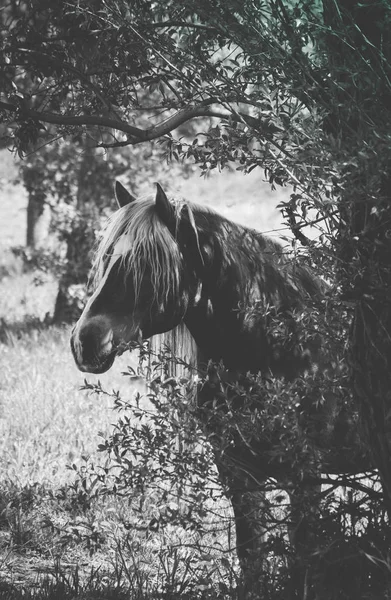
x,y
161,264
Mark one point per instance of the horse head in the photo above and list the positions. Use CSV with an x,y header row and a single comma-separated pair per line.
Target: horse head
x,y
140,285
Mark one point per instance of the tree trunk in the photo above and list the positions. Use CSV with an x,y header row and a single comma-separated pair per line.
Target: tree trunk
x,y
36,222
365,240
70,296
80,241
371,344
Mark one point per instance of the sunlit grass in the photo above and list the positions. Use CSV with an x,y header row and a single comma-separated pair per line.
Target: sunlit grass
x,y
48,424
45,420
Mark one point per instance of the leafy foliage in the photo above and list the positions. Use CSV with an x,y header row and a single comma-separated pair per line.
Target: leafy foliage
x,y
160,457
269,72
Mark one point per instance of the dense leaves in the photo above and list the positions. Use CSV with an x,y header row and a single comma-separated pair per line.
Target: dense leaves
x,y
160,457
297,86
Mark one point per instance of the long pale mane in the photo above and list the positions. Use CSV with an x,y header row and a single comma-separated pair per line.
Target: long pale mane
x,y
142,241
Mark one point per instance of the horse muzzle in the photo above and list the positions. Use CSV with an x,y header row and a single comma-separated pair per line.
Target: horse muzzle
x,y
93,346
96,342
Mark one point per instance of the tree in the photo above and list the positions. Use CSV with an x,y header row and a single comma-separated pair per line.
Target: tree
x,y
300,89
74,182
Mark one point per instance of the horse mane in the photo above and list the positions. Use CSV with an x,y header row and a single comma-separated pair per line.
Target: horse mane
x,y
182,348
144,241
256,261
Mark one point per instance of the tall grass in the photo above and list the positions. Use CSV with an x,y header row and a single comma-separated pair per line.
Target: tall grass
x,y
54,523
45,421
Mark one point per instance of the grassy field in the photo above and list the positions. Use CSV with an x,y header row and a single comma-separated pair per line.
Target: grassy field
x,y
57,540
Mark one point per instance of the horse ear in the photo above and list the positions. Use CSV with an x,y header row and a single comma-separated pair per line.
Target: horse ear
x,y
164,208
122,195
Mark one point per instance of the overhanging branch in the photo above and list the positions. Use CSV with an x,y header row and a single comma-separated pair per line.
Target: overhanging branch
x,y
135,135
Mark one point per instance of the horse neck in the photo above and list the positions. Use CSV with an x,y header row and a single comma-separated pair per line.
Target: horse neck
x,y
244,271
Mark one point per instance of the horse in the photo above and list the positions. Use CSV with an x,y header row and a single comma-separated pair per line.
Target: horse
x,y
167,264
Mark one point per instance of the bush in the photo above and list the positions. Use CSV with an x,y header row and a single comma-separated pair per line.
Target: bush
x,y
161,458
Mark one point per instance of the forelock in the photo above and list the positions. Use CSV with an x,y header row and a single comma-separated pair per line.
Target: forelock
x,y
143,241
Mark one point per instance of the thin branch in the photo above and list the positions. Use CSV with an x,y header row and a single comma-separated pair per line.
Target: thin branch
x,y
164,24
351,482
295,228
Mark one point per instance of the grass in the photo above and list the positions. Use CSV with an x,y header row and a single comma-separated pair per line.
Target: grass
x,y
46,425
46,421
54,530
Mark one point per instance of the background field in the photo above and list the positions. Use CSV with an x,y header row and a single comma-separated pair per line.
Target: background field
x,y
47,423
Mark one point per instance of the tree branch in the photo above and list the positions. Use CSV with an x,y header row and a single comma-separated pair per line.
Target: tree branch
x,y
58,119
135,134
